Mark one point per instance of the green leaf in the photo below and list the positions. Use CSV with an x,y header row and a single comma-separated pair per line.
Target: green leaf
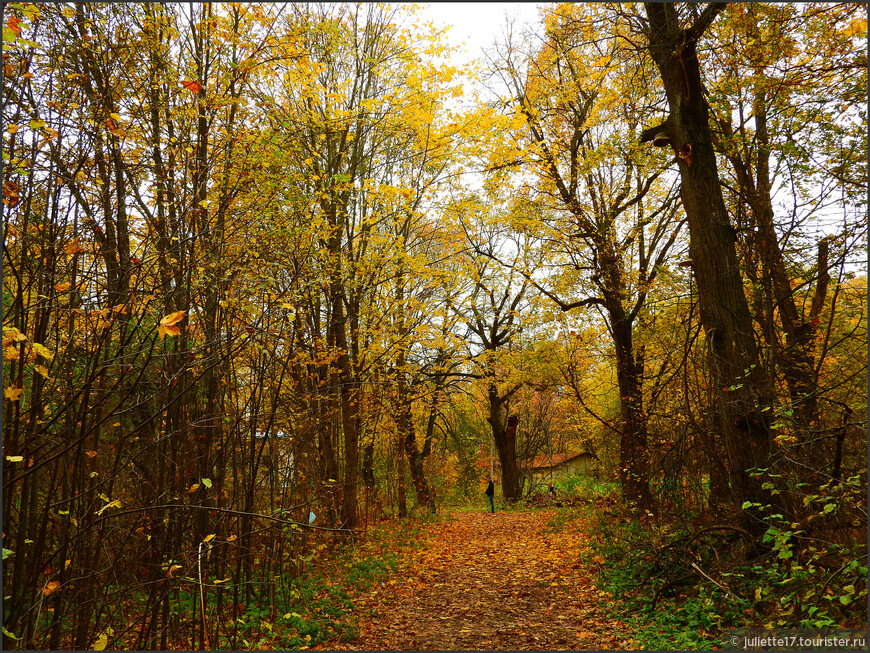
x,y
206,482
6,632
9,552
8,35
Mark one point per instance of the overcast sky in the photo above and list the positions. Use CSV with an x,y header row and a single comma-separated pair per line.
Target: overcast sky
x,y
478,24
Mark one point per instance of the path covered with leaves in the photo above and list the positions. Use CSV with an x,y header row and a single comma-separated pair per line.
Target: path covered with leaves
x,y
491,582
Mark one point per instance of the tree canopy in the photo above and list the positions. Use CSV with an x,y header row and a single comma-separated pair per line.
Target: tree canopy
x,y
275,271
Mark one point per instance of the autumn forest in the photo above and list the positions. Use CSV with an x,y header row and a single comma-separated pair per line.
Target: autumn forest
x,y
284,286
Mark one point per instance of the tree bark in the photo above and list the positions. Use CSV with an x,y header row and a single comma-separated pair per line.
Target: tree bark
x,y
742,391
505,437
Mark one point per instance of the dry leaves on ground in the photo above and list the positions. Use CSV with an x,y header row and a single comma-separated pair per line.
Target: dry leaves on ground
x,y
491,582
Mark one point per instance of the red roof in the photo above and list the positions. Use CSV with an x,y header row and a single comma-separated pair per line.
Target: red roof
x,y
541,462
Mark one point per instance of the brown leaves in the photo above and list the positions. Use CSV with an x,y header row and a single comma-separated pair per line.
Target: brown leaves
x,y
489,582
11,193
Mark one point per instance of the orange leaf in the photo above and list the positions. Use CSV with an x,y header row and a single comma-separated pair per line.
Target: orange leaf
x,y
13,23
173,318
168,331
73,247
62,287
50,587
167,324
192,86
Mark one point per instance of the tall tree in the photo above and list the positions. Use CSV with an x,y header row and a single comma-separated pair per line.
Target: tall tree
x,y
778,96
742,389
603,209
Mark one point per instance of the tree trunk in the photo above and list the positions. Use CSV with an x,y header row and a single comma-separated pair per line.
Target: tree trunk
x,y
633,455
505,437
742,391
404,401
796,360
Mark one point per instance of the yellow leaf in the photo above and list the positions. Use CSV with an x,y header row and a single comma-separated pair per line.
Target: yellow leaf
x,y
12,394
12,129
209,538
114,504
222,580
41,369
14,459
115,116
61,287
231,538
42,351
101,643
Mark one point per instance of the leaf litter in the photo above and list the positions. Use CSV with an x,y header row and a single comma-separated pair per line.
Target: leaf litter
x,y
507,581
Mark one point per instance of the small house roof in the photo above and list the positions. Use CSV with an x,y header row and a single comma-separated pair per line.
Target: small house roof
x,y
547,461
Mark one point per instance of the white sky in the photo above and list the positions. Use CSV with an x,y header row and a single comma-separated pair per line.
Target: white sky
x,y
478,25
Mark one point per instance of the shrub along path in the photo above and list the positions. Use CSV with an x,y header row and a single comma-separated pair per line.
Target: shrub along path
x,y
491,582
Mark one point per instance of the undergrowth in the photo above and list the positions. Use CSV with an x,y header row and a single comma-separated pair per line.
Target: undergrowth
x,y
319,604
677,583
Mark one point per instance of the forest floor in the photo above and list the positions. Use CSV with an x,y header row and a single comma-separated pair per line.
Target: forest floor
x,y
481,581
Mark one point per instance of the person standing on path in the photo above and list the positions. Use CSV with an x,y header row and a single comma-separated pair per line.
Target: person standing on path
x,y
490,491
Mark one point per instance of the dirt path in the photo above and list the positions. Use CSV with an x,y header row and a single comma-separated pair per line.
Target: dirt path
x,y
491,582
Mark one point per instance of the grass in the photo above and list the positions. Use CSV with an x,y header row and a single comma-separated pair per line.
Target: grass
x,y
323,608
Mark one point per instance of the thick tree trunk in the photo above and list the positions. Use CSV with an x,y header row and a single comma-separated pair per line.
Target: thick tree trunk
x,y
505,437
742,391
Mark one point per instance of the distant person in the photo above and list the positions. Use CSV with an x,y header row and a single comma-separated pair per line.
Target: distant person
x,y
490,491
